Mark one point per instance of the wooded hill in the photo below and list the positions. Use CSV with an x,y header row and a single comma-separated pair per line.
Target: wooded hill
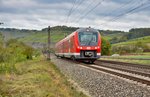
x,y
58,32
132,34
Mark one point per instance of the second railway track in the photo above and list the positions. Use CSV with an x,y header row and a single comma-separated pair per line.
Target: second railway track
x,y
122,68
126,64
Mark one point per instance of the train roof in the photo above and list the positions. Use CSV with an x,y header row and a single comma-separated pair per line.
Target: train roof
x,y
78,30
86,30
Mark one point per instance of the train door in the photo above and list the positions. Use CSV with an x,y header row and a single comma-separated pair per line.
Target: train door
x,y
69,47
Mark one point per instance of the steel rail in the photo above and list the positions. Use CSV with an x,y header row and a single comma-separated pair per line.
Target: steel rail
x,y
125,70
141,80
126,64
109,57
113,72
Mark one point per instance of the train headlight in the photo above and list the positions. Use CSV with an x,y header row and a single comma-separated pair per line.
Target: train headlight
x,y
79,47
98,47
95,47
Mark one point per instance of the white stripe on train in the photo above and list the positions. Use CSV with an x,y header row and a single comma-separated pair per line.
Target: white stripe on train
x,y
69,54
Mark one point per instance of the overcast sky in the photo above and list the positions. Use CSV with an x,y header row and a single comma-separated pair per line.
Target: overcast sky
x,y
101,14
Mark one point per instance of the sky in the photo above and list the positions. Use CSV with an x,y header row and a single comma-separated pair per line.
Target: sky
x,y
100,14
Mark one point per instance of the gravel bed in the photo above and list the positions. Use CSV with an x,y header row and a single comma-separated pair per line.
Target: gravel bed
x,y
100,84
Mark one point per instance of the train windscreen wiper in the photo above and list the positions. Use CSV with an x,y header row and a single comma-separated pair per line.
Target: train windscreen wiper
x,y
88,43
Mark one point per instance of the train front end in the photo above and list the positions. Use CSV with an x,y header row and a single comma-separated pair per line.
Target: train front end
x,y
88,44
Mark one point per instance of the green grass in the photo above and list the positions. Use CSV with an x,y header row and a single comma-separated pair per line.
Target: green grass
x,y
145,62
7,67
138,56
131,58
36,78
142,56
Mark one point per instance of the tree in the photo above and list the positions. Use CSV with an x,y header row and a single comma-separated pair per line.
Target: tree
x,y
28,52
106,47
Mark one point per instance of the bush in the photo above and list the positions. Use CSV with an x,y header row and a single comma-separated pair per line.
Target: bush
x,y
106,47
138,47
22,50
28,52
14,52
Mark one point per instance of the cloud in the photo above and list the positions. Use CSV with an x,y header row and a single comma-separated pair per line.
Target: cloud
x,y
36,14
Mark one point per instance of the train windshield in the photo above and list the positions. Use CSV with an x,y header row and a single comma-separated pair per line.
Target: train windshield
x,y
88,38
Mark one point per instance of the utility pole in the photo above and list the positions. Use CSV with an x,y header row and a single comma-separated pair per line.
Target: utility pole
x,y
49,41
4,43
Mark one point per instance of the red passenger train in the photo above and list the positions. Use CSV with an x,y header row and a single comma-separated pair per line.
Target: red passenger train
x,y
83,44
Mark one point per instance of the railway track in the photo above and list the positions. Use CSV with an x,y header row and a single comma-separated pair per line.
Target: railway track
x,y
110,57
137,76
126,64
127,75
121,67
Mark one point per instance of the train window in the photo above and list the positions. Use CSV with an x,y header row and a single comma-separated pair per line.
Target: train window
x,y
88,38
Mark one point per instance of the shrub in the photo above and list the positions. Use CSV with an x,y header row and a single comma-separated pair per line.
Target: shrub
x,y
138,47
14,52
106,47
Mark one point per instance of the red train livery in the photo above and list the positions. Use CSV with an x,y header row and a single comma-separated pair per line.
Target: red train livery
x,y
83,44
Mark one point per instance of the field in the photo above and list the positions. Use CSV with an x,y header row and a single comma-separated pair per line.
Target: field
x,y
131,58
36,78
138,45
10,35
42,37
110,36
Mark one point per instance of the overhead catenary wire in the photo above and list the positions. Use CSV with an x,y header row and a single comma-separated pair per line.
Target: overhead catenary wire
x,y
112,19
99,3
141,8
85,9
130,11
81,2
121,7
70,11
127,12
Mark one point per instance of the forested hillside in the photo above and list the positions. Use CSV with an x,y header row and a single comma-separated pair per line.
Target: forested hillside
x,y
138,32
59,32
10,33
132,34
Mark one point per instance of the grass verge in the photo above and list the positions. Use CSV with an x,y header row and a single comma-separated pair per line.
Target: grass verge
x,y
36,79
144,62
